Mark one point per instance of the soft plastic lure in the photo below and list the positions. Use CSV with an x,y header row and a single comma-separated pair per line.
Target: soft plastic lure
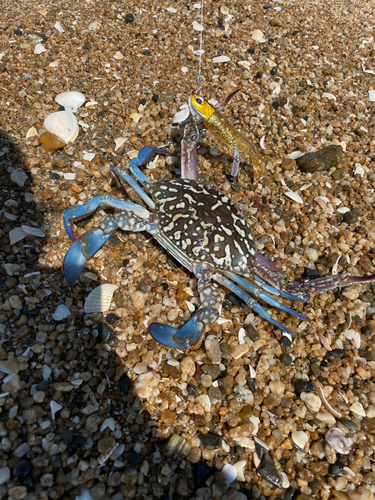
x,y
214,120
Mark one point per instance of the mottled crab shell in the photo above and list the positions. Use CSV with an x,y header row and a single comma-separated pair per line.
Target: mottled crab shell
x,y
204,225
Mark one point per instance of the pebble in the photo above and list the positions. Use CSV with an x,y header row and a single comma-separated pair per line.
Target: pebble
x,y
267,470
105,334
276,21
336,468
303,386
17,493
22,469
277,387
243,430
138,298
15,302
311,400
143,287
4,475
211,441
145,384
320,160
129,18
362,493
312,254
213,350
352,216
187,366
106,444
239,350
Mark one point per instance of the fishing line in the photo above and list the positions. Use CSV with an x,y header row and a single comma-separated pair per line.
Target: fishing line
x,y
200,78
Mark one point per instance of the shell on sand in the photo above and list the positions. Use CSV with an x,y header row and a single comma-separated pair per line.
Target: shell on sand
x,y
61,312
70,100
63,124
100,298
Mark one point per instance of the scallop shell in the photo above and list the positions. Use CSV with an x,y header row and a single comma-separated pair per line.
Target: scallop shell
x,y
100,298
70,100
300,438
63,124
61,312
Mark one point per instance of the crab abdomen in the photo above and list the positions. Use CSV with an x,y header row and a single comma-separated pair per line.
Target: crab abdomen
x,y
204,225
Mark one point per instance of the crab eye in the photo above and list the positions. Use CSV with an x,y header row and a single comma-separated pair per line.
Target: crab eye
x,y
199,100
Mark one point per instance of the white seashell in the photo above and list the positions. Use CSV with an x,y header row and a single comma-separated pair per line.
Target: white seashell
x,y
46,372
88,156
70,100
261,142
190,305
171,9
118,56
358,409
359,169
336,265
241,335
327,95
300,438
343,210
10,367
198,52
245,442
244,64
336,438
94,26
119,141
136,117
257,35
353,335
39,49
184,69
196,6
17,234
275,87
181,116
371,95
294,196
91,103
58,27
262,443
285,481
230,473
61,312
295,155
32,132
63,124
85,495
108,423
324,198
83,124
100,298
55,407
239,467
220,59
55,63
91,276
256,421
197,26
69,176
19,177
34,231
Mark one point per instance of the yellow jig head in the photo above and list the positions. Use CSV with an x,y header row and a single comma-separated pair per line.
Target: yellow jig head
x,y
224,130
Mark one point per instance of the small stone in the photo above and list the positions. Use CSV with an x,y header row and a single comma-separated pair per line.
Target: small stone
x,y
111,318
304,386
339,174
276,21
106,444
4,475
239,350
252,333
138,299
286,359
311,400
323,159
125,384
92,423
246,412
171,370
277,387
285,341
288,164
215,393
213,350
39,396
312,254
145,384
336,468
22,469
325,416
361,493
352,216
129,18
105,334
365,263
17,493
118,298
211,441
15,302
21,450
134,458
212,370
167,417
243,430
267,470
187,366
47,480
226,385
143,287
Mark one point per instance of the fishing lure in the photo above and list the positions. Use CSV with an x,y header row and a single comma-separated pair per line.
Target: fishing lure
x,y
213,119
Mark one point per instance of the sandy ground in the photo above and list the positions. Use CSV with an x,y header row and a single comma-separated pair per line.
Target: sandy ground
x,y
90,402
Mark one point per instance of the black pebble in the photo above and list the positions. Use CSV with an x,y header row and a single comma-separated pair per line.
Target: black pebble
x,y
259,74
43,385
267,6
221,27
164,286
72,448
192,391
155,97
227,306
105,334
251,384
17,32
336,468
273,71
86,46
276,104
22,469
304,386
295,32
80,440
129,18
311,274
211,441
235,300
349,424
251,50
125,383
54,176
337,353
143,287
134,458
125,262
201,474
112,318
146,53
142,101
285,341
252,333
67,436
267,470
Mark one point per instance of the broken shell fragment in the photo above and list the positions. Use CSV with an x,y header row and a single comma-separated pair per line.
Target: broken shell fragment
x,y
39,49
257,35
100,298
220,59
34,231
119,141
50,142
70,100
19,177
336,438
63,124
17,234
181,116
55,407
61,312
358,409
300,438
32,132
230,473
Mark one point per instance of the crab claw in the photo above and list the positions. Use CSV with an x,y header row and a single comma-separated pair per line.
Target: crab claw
x,y
189,335
145,155
82,250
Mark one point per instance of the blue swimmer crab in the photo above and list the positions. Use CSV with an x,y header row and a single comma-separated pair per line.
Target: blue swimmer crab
x,y
207,234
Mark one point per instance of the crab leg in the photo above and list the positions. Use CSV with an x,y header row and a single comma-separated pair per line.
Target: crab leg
x,y
325,283
122,175
145,155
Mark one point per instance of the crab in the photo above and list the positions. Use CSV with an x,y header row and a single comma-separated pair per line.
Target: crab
x,y
205,232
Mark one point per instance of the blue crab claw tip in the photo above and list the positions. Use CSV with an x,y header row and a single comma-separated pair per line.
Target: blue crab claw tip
x,y
73,262
164,335
145,155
